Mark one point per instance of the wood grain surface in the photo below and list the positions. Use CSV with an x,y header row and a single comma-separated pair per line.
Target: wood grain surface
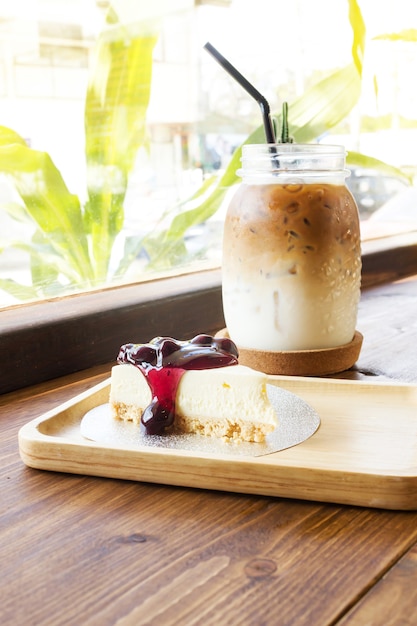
x,y
394,590
80,550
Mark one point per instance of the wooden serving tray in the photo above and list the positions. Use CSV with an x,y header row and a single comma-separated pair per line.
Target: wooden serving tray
x,y
364,453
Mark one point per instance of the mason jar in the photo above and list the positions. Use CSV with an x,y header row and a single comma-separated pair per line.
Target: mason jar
x,y
291,252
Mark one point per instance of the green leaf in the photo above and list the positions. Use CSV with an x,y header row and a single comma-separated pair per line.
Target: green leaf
x,y
115,116
174,250
153,243
359,34
118,96
356,159
42,254
50,205
44,272
17,212
9,136
18,291
409,34
133,246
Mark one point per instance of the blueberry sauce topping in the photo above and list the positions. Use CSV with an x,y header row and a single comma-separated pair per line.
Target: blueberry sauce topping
x,y
163,362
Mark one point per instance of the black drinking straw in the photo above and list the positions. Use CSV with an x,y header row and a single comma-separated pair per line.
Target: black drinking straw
x,y
260,99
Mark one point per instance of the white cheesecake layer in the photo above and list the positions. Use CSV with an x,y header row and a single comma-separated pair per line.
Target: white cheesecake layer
x,y
229,402
129,386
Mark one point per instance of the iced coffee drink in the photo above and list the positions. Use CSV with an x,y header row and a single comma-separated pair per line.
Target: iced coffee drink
x,y
292,263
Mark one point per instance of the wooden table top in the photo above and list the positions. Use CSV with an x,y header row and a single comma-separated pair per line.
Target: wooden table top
x,y
81,550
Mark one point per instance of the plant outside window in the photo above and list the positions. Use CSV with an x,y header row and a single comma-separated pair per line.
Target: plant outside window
x,y
79,242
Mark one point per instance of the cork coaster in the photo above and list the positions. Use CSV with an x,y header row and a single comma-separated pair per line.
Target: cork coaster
x,y
301,362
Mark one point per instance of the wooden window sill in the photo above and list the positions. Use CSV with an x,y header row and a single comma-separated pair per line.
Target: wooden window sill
x,y
45,340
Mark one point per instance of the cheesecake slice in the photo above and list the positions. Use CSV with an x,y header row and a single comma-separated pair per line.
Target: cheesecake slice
x,y
229,402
